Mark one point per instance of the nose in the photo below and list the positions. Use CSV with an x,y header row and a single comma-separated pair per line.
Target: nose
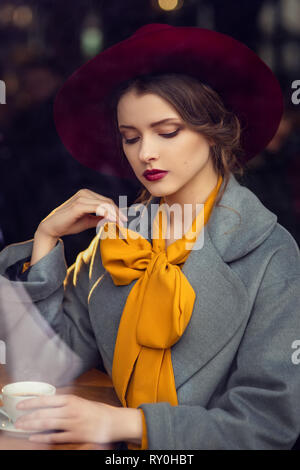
x,y
147,151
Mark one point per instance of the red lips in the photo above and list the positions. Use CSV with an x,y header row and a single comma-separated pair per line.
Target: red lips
x,y
152,172
152,175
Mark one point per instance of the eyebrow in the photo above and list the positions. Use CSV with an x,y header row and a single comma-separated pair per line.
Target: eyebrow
x,y
153,124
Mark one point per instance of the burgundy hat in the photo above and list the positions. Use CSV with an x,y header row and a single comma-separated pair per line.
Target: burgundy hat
x,y
247,86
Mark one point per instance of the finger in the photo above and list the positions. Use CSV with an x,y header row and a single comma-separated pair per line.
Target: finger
x,y
83,209
45,413
112,209
43,401
105,210
107,214
48,424
53,438
104,202
87,192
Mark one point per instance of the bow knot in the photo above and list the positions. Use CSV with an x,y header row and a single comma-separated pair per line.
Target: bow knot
x,y
157,309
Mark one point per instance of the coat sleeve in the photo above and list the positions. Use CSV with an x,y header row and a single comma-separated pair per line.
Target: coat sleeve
x,y
259,406
60,294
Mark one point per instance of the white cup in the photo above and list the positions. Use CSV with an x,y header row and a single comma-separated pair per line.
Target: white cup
x,y
15,392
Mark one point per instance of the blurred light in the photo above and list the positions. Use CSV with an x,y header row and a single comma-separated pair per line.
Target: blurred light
x,y
168,5
267,54
22,16
6,14
205,16
266,18
291,15
91,40
290,55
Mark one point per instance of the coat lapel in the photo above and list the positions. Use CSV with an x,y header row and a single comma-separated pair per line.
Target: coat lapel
x,y
220,307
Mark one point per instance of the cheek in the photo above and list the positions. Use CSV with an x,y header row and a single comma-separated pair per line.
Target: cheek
x,y
191,163
193,150
199,154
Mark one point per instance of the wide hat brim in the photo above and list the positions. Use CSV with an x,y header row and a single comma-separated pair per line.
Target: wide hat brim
x,y
247,86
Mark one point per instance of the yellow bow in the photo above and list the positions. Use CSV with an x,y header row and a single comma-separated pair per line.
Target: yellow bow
x,y
157,310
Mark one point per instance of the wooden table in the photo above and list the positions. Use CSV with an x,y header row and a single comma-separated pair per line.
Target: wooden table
x,y
93,385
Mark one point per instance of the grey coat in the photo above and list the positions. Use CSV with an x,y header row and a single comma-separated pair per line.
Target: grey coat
x,y
236,370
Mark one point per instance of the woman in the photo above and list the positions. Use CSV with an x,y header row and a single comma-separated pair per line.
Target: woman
x,y
197,330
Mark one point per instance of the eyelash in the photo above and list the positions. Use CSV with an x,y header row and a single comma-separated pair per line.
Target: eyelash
x,y
166,136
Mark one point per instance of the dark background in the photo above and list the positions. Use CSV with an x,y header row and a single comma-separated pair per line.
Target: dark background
x,y
43,42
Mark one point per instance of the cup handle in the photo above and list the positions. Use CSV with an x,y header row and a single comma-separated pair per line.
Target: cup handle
x,y
3,412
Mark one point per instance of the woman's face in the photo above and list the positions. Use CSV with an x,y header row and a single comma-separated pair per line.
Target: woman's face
x,y
170,146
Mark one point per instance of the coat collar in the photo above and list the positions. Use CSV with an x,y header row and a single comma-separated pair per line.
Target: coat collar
x,y
241,224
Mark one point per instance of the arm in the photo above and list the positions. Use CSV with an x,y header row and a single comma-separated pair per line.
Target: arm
x,y
129,425
42,245
60,294
259,407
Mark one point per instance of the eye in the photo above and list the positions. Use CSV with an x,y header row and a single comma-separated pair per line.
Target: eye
x,y
172,134
166,136
130,141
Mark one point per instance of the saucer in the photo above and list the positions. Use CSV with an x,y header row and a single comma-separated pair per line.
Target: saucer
x,y
7,426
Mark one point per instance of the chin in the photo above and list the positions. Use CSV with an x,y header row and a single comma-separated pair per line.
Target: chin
x,y
161,189
159,192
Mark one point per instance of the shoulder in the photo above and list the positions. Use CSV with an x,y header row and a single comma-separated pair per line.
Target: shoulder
x,y
281,254
248,234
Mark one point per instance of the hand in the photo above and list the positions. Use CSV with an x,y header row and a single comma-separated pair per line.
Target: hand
x,y
76,214
79,420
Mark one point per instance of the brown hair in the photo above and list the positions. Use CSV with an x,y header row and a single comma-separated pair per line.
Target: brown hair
x,y
202,109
